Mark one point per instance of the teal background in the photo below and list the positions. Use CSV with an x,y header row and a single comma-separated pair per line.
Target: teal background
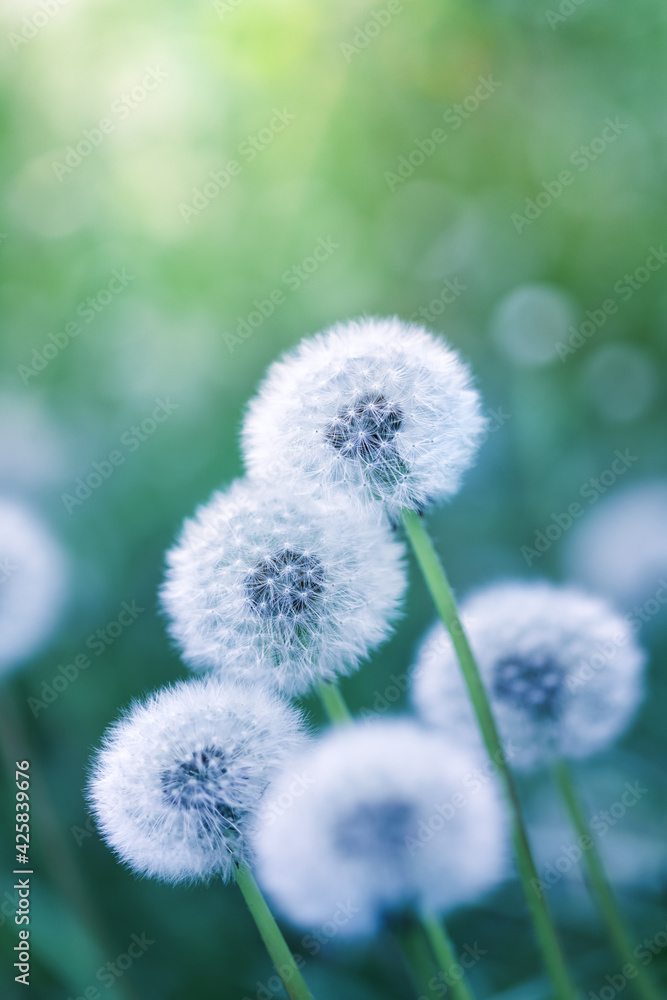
x,y
361,101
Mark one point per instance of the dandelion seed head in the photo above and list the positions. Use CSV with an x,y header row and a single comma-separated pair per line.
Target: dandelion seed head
x,y
178,781
33,584
287,590
619,548
377,406
563,671
390,819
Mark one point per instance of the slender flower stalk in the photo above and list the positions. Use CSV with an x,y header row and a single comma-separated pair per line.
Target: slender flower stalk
x,y
446,957
334,703
599,885
414,946
438,585
281,956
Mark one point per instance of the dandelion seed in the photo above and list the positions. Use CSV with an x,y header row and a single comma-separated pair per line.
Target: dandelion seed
x,y
32,584
391,818
264,586
178,781
380,406
562,670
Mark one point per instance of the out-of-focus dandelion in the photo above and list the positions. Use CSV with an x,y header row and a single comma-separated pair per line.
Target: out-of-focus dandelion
x,y
562,670
619,548
564,675
390,819
33,582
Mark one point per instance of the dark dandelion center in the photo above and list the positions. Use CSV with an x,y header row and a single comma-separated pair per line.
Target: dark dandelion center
x,y
365,428
534,685
285,584
198,783
377,829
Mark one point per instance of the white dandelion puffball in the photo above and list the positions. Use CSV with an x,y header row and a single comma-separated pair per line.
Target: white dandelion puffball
x,y
620,548
381,406
177,783
563,672
373,819
289,591
33,584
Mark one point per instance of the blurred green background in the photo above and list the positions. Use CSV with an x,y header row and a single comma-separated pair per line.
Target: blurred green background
x,y
114,118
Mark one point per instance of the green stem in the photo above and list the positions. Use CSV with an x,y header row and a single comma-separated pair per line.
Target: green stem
x,y
334,703
438,585
281,956
446,956
417,956
599,885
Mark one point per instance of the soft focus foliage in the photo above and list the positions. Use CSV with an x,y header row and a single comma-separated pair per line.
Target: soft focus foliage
x,y
139,411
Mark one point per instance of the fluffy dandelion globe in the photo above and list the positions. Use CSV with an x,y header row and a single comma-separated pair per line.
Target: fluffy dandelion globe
x,y
620,548
563,672
33,584
385,817
177,783
378,405
264,586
